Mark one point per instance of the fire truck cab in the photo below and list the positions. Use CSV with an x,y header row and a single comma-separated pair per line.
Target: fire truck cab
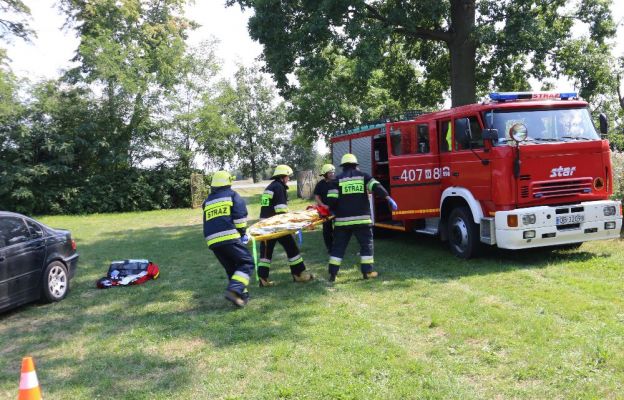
x,y
518,171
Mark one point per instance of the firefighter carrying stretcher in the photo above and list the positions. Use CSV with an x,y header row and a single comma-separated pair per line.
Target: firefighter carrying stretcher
x,y
328,172
349,203
225,223
274,201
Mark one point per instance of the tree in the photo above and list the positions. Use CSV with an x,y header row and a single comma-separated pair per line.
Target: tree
x,y
14,27
485,43
251,105
133,50
188,104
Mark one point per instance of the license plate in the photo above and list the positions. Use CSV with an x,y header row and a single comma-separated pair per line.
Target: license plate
x,y
570,219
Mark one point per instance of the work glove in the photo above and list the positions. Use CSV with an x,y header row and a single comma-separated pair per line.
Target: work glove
x,y
392,203
245,239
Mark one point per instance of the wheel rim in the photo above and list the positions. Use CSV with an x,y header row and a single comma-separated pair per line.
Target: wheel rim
x,y
459,234
57,281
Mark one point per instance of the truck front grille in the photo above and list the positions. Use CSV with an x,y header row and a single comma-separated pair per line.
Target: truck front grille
x,y
561,188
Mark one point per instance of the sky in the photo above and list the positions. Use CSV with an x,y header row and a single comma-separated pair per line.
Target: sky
x,y
53,48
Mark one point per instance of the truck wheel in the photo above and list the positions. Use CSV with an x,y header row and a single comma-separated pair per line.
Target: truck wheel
x,y
463,233
55,282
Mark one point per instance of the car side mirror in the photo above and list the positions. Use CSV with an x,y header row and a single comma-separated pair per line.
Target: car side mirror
x,y
604,124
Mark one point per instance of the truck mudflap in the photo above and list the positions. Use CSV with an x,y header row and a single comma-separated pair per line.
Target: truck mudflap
x,y
555,225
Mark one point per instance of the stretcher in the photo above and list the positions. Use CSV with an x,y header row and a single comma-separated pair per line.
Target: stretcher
x,y
288,223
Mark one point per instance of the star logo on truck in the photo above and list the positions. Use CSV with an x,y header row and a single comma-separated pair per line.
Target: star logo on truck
x,y
562,171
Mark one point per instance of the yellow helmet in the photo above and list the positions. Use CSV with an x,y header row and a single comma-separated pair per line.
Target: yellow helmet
x,y
282,170
327,168
348,159
221,178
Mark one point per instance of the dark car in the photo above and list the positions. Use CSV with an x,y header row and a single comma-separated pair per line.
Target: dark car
x,y
36,261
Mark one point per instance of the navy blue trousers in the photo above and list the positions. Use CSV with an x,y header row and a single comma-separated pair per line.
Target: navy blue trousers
x,y
238,264
342,235
295,260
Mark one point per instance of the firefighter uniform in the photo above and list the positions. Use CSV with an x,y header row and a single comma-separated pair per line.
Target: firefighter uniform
x,y
225,223
349,202
320,192
274,200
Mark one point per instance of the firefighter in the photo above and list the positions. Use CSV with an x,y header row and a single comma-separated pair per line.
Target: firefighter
x,y
225,223
328,172
274,201
349,202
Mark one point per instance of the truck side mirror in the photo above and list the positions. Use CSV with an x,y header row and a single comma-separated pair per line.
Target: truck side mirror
x,y
490,134
604,124
463,134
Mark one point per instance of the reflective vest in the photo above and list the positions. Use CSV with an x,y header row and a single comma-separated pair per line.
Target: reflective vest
x,y
348,199
274,199
225,217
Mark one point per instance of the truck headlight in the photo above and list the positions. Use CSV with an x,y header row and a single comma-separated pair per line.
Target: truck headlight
x,y
528,219
608,211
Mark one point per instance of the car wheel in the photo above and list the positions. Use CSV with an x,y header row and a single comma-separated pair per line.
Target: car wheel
x,y
463,233
55,284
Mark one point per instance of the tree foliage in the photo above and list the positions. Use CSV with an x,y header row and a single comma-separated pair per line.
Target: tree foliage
x,y
251,105
467,46
14,19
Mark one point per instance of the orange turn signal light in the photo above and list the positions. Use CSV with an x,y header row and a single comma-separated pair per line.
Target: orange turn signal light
x,y
512,220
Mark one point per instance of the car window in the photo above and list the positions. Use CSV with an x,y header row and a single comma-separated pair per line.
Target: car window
x,y
13,230
35,229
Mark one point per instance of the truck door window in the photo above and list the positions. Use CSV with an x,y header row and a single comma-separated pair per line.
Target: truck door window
x,y
477,136
444,136
422,142
401,141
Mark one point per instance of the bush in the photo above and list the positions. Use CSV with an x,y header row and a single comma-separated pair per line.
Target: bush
x,y
617,160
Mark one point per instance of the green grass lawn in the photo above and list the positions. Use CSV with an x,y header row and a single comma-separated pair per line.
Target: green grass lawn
x,y
534,324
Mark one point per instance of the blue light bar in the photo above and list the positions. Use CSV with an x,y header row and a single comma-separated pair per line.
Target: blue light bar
x,y
511,96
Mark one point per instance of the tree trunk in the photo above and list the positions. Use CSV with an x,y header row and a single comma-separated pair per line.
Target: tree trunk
x,y
462,49
252,158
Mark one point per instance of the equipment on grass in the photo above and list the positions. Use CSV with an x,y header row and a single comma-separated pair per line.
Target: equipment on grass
x,y
128,272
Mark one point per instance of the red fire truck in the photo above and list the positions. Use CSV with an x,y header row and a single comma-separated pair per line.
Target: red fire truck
x,y
518,171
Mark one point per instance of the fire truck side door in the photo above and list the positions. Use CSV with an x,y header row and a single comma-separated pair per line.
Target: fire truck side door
x,y
470,167
415,171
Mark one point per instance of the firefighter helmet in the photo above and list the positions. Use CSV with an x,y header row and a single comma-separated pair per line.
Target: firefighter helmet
x,y
327,168
348,159
282,170
221,178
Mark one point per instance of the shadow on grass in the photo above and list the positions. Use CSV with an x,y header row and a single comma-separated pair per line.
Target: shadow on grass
x,y
425,257
116,331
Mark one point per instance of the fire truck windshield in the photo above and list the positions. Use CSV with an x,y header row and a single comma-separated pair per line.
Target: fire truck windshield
x,y
543,125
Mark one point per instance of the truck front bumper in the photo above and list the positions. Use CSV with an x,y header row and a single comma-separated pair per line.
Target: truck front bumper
x,y
555,225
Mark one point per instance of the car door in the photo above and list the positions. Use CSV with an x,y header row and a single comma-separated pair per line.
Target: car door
x,y
23,260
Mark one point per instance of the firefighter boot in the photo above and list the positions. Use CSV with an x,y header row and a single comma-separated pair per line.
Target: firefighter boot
x,y
235,298
265,282
303,277
369,275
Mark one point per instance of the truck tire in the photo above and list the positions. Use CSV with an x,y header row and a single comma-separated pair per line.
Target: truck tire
x,y
55,282
463,233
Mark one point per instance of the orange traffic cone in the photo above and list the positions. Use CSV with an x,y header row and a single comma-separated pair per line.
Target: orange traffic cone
x,y
29,385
